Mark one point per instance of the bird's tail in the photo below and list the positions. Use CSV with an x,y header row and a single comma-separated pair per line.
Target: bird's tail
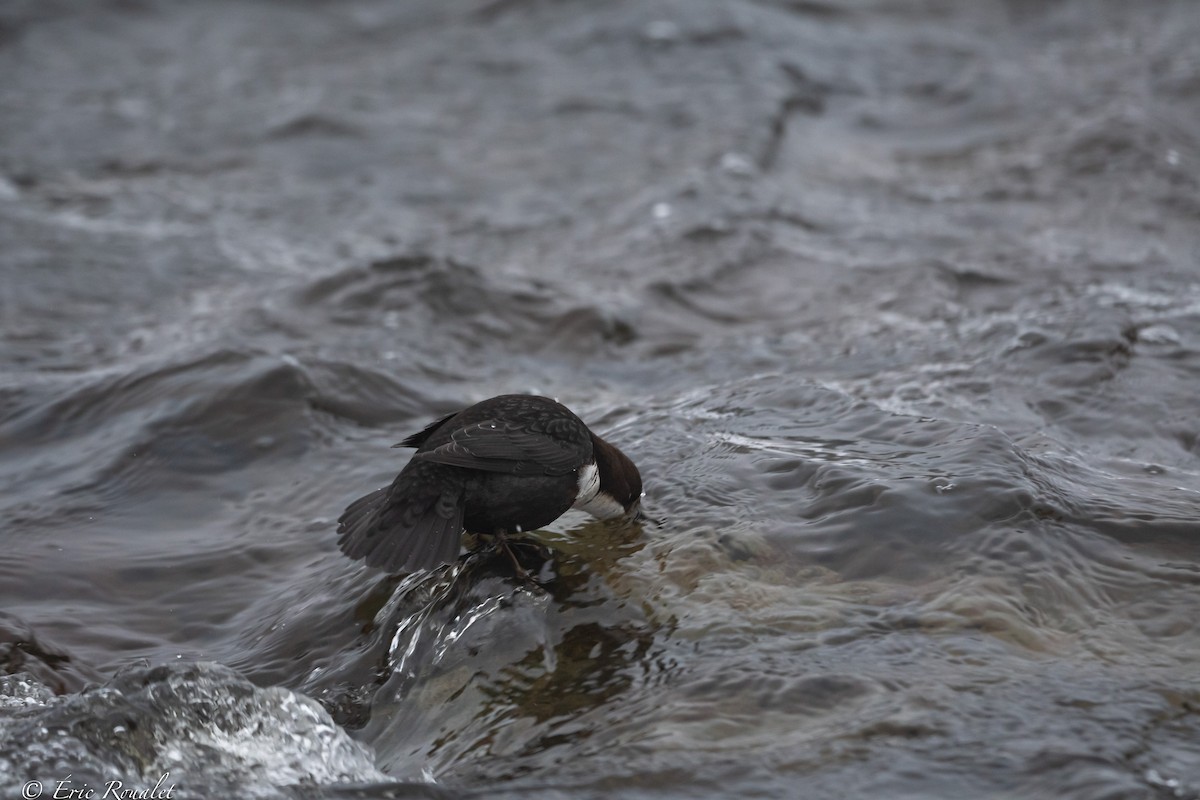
x,y
403,531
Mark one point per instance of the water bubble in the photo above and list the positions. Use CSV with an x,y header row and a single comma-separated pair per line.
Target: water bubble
x,y
661,210
1158,334
662,31
738,164
1155,778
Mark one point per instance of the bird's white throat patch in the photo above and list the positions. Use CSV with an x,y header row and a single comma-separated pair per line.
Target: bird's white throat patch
x,y
589,484
590,499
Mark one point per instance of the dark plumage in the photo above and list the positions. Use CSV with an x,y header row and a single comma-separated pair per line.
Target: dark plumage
x,y
507,464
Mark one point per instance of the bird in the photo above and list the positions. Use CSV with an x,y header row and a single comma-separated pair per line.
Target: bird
x,y
507,464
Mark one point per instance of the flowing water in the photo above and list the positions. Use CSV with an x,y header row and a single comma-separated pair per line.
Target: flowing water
x,y
895,303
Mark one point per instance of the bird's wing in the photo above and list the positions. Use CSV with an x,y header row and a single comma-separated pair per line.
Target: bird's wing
x,y
416,523
418,439
556,447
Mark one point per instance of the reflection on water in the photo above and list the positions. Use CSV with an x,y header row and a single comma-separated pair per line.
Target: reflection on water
x,y
895,307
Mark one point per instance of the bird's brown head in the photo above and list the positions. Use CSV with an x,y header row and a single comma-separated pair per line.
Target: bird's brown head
x,y
619,477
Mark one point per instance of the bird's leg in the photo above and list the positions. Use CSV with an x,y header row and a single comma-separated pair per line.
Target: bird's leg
x,y
502,543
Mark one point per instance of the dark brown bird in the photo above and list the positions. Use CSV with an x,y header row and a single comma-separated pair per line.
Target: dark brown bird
x,y
508,464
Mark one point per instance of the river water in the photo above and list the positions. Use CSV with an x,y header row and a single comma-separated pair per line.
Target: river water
x,y
895,303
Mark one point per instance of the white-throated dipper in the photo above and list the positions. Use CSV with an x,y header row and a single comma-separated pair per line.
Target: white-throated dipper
x,y
508,464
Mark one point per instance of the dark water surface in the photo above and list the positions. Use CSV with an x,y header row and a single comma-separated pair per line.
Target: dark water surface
x,y
896,304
